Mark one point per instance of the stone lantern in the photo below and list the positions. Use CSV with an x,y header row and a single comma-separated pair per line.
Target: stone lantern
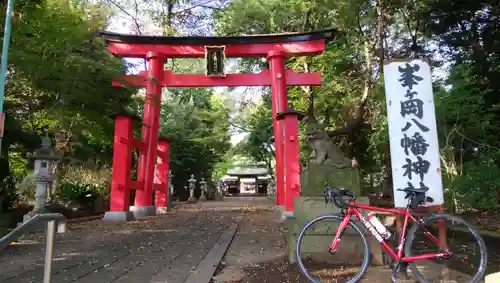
x,y
44,161
192,186
203,187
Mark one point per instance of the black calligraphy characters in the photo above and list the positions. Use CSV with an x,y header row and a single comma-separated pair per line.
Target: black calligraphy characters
x,y
408,77
416,144
413,144
419,167
419,125
412,106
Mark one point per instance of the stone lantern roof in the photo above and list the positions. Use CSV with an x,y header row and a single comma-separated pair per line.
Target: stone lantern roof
x,y
45,152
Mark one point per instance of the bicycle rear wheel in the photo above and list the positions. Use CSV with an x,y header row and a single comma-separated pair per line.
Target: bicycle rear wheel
x,y
331,222
465,248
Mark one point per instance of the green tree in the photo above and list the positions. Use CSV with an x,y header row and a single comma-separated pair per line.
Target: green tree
x,y
59,78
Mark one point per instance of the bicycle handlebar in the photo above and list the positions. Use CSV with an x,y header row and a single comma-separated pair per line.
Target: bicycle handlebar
x,y
335,196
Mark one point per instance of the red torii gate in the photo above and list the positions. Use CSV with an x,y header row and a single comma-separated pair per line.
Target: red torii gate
x,y
156,50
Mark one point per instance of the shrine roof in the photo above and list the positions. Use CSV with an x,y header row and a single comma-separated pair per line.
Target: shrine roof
x,y
327,34
247,171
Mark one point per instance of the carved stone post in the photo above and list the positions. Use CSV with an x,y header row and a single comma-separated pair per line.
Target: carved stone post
x,y
192,186
203,187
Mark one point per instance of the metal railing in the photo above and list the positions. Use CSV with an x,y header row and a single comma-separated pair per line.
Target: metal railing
x,y
53,220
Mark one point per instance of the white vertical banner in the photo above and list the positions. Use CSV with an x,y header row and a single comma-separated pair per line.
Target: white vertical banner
x,y
412,130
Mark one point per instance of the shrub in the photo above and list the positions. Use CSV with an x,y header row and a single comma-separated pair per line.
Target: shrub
x,y
8,195
79,182
26,189
477,187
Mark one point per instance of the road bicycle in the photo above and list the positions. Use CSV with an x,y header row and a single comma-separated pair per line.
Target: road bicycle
x,y
403,255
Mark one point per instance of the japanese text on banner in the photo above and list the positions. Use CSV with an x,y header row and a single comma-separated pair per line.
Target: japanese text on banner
x,y
412,130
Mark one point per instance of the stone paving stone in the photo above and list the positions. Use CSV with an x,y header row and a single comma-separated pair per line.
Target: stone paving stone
x,y
129,263
161,249
180,258
90,257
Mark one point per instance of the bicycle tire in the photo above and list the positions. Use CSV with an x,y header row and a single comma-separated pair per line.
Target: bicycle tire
x,y
366,257
482,246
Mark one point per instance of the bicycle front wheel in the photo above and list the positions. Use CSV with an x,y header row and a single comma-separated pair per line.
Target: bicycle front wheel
x,y
312,249
468,255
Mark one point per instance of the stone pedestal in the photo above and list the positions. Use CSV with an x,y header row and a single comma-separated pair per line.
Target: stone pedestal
x,y
318,176
192,198
118,216
311,204
162,210
316,244
203,196
143,211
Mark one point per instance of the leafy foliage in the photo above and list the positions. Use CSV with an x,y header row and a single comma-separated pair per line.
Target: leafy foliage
x,y
461,39
259,143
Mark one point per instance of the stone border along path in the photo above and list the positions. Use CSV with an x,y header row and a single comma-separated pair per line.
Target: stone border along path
x,y
172,253
213,258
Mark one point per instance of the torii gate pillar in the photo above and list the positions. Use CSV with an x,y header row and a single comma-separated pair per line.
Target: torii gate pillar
x,y
150,127
279,103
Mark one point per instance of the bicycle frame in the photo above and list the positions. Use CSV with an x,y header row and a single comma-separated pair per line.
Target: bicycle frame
x,y
354,209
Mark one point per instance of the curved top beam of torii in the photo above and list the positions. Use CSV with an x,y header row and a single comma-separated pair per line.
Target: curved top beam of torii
x,y
292,44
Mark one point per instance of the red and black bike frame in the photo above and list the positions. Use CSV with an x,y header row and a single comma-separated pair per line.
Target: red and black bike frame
x,y
398,255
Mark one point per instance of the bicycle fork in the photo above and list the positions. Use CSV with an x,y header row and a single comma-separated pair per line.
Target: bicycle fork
x,y
399,267
338,235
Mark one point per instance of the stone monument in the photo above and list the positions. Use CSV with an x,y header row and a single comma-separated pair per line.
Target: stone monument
x,y
192,186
